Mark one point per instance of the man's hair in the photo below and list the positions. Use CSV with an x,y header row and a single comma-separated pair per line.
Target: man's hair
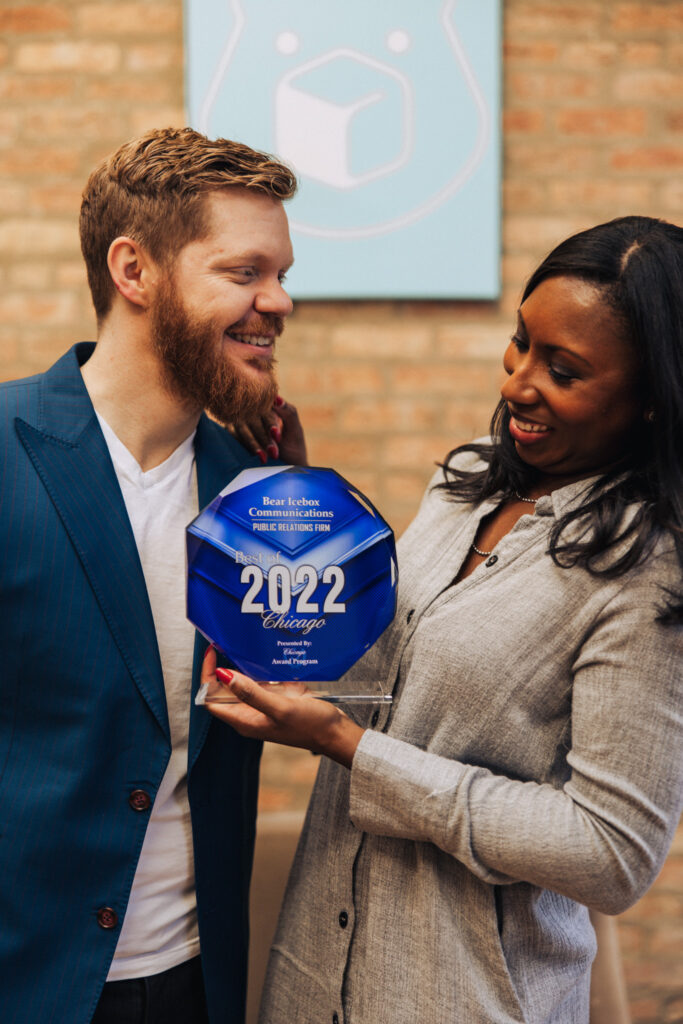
x,y
153,189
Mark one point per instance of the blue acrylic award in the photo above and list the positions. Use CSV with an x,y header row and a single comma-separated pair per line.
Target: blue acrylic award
x,y
291,573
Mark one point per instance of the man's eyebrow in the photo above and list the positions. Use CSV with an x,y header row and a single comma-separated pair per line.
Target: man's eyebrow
x,y
244,259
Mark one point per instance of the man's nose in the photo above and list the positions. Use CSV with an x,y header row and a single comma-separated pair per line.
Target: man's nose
x,y
273,298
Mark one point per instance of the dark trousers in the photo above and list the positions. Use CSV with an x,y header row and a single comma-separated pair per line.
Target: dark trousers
x,y
175,996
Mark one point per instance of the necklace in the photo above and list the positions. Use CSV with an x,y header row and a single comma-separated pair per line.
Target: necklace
x,y
485,554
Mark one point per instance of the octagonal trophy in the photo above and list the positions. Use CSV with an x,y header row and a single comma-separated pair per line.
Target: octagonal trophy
x,y
291,573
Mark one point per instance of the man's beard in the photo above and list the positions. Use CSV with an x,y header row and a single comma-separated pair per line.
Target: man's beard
x,y
196,368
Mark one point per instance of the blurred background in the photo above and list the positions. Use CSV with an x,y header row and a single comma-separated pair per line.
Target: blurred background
x,y
592,123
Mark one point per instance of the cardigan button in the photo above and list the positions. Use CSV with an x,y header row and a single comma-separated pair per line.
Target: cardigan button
x,y
107,918
410,615
139,800
375,718
492,560
343,919
335,1018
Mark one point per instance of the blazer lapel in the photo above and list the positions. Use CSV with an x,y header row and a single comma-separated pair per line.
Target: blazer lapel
x,y
219,459
69,453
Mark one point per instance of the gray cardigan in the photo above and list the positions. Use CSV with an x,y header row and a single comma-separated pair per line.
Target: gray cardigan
x,y
532,763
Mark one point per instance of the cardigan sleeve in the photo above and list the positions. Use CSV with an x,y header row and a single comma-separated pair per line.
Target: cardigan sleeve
x,y
602,837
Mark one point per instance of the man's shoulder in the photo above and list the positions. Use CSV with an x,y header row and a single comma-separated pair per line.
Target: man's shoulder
x,y
19,397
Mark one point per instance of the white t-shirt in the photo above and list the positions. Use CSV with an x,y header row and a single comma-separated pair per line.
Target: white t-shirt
x,y
159,930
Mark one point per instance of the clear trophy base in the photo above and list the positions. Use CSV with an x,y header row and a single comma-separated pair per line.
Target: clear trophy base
x,y
353,691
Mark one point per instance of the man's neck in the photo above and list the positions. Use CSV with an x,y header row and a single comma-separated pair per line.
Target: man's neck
x,y
123,378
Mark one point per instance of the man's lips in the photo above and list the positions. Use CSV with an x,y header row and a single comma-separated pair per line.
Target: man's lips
x,y
526,431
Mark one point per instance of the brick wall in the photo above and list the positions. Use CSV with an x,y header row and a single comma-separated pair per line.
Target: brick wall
x,y
592,126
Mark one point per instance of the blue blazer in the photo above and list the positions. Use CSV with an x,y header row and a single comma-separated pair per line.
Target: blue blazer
x,y
83,719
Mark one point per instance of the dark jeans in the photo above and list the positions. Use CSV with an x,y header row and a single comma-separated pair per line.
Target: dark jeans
x,y
172,997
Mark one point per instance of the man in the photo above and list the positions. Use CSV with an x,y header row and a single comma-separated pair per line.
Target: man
x,y
127,814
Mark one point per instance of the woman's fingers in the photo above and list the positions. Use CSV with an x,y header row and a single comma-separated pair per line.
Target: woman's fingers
x,y
275,434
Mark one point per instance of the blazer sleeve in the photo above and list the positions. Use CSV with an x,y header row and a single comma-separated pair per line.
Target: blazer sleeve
x,y
602,837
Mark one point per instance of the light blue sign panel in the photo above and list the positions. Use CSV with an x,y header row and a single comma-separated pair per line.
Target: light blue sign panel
x,y
388,111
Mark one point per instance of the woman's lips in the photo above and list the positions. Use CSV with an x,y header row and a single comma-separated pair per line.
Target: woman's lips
x,y
526,431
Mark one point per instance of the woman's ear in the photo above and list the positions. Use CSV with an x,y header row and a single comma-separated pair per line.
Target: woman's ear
x,y
132,271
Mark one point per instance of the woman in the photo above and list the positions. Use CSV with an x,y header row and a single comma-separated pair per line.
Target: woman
x,y
531,764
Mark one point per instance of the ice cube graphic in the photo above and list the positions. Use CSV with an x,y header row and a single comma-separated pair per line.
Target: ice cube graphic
x,y
317,116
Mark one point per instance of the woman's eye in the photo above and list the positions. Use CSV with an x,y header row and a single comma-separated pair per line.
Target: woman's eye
x,y
561,374
520,344
282,277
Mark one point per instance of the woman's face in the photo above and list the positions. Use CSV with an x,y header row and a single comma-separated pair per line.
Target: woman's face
x,y
572,388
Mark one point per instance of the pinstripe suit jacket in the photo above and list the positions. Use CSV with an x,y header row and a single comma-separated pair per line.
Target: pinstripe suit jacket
x,y
83,717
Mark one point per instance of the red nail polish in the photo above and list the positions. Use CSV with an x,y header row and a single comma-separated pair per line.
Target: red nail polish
x,y
279,400
211,647
272,450
224,675
262,456
275,431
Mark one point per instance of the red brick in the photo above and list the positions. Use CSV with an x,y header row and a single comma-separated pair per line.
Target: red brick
x,y
527,122
649,85
64,122
151,58
590,55
540,86
643,54
94,58
663,159
370,341
37,309
341,379
122,90
36,161
552,159
20,89
603,121
647,17
34,19
540,51
604,194
553,19
129,18
416,453
28,237
388,415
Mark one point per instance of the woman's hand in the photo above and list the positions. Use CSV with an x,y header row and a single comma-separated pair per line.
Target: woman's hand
x,y
294,718
276,434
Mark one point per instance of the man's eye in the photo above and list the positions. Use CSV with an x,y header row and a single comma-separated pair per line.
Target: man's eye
x,y
282,277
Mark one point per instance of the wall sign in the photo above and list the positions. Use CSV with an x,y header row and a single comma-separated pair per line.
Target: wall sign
x,y
388,111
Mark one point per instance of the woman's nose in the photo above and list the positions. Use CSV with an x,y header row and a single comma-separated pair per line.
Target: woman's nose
x,y
519,387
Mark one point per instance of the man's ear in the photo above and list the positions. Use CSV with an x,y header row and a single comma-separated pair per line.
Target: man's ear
x,y
134,273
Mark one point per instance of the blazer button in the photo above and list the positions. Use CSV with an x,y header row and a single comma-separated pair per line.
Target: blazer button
x,y
335,1018
139,800
375,718
492,560
343,919
409,616
107,918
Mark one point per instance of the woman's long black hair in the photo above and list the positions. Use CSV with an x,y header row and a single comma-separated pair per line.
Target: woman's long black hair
x,y
637,263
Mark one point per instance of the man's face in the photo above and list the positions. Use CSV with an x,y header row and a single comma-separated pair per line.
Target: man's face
x,y
219,310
